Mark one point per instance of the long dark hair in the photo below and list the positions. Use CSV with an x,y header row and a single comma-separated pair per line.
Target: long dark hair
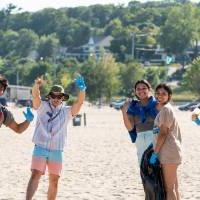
x,y
3,82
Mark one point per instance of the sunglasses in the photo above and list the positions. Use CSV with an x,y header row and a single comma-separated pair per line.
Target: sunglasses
x,y
56,96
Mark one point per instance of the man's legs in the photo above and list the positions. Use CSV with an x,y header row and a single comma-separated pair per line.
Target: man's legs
x,y
33,184
38,167
54,167
53,186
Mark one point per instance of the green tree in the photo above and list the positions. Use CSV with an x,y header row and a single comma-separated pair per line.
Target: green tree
x,y
2,66
121,45
20,21
26,42
110,71
113,27
101,15
48,46
8,42
196,37
191,77
23,68
178,31
155,75
129,74
66,73
46,21
73,32
101,77
5,15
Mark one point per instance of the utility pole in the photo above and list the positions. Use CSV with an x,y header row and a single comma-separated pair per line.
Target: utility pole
x,y
133,45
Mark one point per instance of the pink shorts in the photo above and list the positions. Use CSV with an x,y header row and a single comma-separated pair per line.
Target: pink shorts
x,y
43,158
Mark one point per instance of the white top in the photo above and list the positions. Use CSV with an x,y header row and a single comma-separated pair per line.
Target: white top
x,y
51,126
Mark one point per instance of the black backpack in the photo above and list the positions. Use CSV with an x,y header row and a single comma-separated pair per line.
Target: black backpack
x,y
152,177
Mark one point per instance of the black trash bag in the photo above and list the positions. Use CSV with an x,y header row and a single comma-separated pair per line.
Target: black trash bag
x,y
152,177
133,134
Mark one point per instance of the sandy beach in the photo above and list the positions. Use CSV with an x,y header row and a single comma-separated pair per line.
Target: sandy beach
x,y
100,161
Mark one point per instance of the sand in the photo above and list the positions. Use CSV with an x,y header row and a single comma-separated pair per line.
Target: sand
x,y
100,161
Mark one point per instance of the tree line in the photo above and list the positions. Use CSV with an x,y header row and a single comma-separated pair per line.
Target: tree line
x,y
174,25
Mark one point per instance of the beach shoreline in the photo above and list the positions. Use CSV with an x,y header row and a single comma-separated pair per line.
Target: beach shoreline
x,y
100,162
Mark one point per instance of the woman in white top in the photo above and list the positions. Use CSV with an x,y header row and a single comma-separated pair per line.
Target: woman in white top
x,y
139,116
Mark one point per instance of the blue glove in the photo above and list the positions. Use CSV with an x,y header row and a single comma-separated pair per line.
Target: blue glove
x,y
80,83
154,158
156,130
28,114
197,120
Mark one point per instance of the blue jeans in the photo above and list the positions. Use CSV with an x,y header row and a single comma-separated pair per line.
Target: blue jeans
x,y
144,139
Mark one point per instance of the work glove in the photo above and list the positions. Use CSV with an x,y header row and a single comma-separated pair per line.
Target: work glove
x,y
28,114
196,116
197,120
80,83
156,130
153,159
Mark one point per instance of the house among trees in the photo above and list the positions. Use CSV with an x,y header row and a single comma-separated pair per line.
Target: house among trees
x,y
96,46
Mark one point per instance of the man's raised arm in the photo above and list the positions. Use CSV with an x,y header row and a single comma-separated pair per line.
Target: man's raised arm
x,y
80,83
36,93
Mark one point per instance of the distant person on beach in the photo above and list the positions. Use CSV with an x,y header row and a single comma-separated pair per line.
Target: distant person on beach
x,y
50,133
6,116
139,116
196,116
167,146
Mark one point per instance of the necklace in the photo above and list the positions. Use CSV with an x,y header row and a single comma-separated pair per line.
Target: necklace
x,y
51,114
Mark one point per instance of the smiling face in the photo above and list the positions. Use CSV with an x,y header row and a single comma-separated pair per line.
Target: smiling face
x,y
56,98
142,91
162,95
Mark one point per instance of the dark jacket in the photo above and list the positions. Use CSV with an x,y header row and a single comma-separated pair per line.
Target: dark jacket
x,y
152,177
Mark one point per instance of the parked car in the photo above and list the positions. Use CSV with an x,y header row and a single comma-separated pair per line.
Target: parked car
x,y
24,102
3,101
194,106
187,105
117,104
